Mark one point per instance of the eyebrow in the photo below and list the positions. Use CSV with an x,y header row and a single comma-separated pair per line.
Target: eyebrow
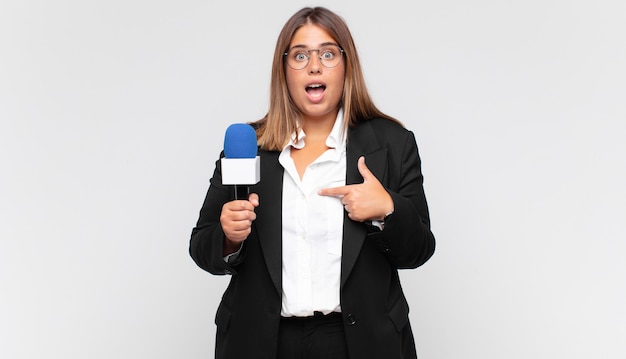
x,y
301,46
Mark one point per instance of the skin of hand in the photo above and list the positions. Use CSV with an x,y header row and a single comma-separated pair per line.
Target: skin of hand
x,y
364,201
236,219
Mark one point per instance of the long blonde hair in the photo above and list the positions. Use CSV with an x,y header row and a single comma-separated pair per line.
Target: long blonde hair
x,y
276,127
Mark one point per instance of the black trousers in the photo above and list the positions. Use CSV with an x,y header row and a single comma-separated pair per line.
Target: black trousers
x,y
317,337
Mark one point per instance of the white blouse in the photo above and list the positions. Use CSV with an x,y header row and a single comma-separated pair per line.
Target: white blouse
x,y
313,228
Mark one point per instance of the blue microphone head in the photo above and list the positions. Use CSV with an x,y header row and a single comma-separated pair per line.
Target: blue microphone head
x,y
240,141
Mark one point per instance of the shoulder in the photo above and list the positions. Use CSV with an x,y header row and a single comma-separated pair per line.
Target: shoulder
x,y
383,129
383,123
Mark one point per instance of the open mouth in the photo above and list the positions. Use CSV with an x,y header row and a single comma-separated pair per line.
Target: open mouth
x,y
315,90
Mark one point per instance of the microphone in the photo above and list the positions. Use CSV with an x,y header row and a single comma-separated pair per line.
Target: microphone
x,y
241,166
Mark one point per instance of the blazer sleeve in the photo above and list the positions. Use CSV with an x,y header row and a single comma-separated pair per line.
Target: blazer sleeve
x,y
206,246
406,239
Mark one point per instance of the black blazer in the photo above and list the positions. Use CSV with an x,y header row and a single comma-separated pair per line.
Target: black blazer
x,y
374,308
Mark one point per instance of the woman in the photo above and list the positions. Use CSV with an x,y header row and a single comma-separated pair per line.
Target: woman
x,y
340,207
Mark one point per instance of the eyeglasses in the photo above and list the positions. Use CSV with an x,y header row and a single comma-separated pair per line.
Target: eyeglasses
x,y
298,57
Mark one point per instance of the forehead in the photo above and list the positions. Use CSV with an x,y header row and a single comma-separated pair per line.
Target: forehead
x,y
311,36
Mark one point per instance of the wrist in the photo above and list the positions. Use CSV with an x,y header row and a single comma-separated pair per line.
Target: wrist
x,y
386,217
230,246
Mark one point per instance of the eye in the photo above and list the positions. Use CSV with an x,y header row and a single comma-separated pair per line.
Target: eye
x,y
327,54
300,56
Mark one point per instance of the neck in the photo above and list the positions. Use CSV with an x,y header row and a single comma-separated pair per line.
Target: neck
x,y
315,127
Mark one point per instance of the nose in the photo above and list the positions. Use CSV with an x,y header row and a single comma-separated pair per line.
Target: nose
x,y
315,64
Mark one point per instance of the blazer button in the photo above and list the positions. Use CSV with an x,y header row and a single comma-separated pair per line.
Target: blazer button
x,y
350,319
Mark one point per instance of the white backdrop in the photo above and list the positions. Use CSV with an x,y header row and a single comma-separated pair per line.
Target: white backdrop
x,y
113,114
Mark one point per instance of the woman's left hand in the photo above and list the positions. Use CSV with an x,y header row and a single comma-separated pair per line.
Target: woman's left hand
x,y
364,201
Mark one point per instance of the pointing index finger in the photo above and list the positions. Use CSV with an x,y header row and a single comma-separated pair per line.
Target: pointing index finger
x,y
334,191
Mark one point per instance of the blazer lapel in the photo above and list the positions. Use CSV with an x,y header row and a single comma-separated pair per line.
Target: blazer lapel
x,y
269,229
362,141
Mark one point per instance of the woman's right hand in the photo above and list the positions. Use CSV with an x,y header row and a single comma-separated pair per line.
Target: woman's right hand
x,y
236,220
